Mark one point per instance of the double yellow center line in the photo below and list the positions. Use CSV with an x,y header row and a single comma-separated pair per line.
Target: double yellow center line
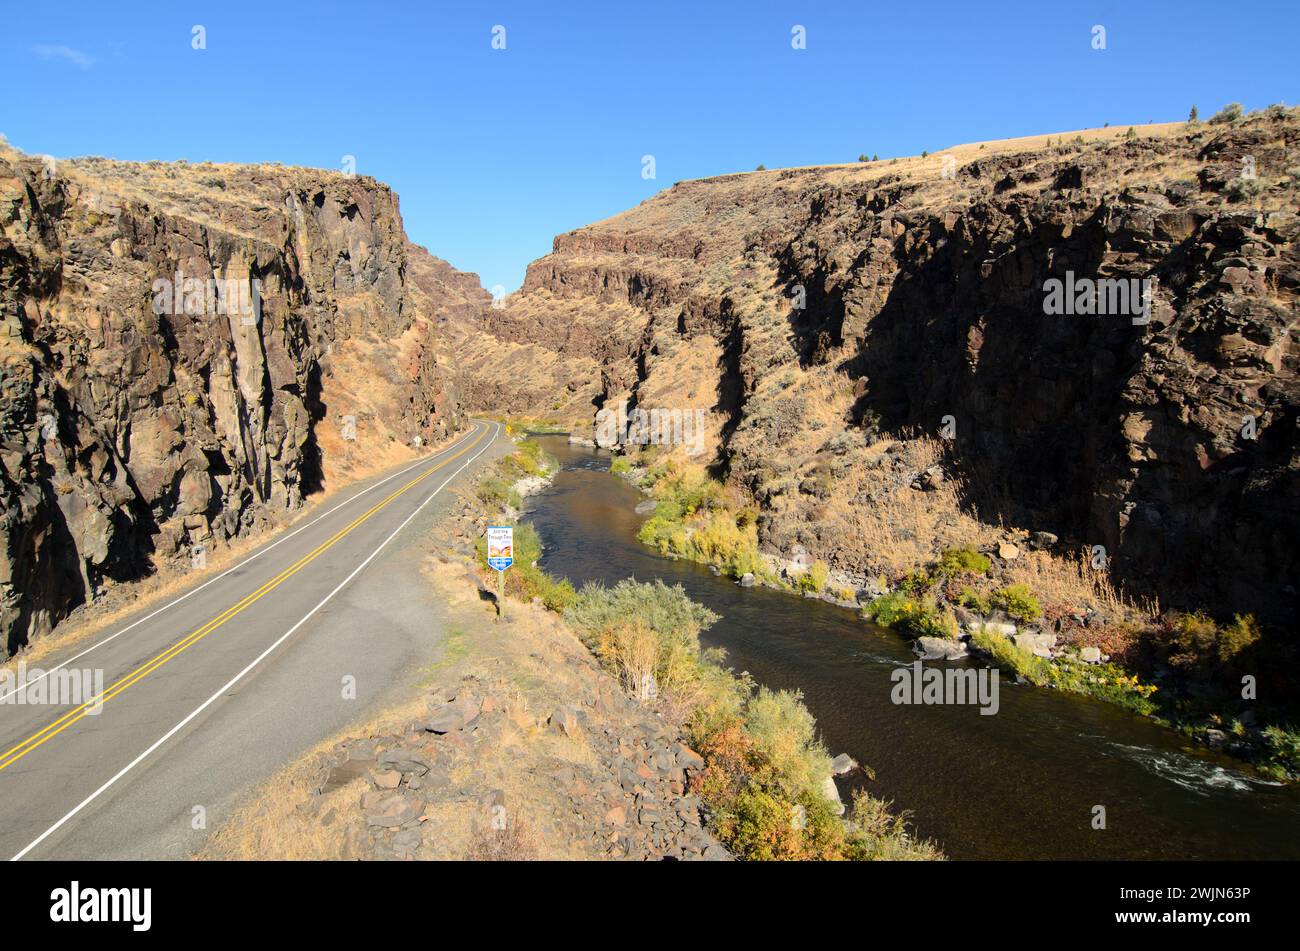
x,y
135,676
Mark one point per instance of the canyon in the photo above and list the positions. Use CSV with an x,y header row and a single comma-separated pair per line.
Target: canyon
x,y
812,311
815,311
137,436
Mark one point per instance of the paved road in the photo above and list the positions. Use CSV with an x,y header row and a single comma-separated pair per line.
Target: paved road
x,y
209,693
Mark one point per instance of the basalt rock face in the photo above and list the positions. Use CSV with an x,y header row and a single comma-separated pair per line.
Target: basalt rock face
x,y
139,424
804,306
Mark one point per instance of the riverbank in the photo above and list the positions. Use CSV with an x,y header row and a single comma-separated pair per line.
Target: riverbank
x,y
1044,614
1018,785
764,781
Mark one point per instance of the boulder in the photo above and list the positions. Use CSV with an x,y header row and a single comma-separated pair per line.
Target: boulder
x,y
405,761
928,479
747,580
687,758
1090,655
843,764
1004,628
832,794
1040,540
392,811
1040,644
564,721
939,648
454,715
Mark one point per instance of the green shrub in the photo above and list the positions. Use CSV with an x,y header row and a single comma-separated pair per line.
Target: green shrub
x,y
621,465
1198,644
497,493
916,582
969,598
1243,189
1232,112
1106,682
666,609
814,579
1194,640
889,609
1017,601
528,459
1006,655
1241,634
963,561
912,616
873,833
692,519
638,629
760,825
784,732
1282,752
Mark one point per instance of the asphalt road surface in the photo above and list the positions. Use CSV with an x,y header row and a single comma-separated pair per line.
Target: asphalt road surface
x,y
208,693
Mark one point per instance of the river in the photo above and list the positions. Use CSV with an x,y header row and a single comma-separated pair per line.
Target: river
x,y
1021,784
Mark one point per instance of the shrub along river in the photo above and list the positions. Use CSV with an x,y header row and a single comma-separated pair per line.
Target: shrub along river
x,y
1021,784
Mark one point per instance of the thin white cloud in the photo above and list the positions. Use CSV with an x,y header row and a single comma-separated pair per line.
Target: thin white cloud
x,y
67,53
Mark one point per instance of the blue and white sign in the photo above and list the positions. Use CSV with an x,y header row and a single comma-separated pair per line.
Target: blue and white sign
x,y
500,546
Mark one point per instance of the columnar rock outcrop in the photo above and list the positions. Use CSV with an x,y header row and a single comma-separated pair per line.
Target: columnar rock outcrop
x,y
804,306
141,418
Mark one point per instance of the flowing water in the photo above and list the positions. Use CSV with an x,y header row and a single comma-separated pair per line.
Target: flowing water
x,y
1021,784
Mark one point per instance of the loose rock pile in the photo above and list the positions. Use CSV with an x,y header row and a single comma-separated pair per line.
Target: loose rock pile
x,y
624,795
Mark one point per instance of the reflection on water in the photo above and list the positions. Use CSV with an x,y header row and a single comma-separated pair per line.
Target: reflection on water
x,y
1021,784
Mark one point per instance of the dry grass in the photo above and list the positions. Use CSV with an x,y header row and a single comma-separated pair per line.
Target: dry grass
x,y
280,825
1069,579
517,842
906,528
283,819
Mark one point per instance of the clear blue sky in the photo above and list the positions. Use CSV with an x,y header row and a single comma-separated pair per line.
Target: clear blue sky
x,y
494,152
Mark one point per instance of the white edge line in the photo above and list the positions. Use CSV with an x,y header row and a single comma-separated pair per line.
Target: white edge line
x,y
257,660
170,604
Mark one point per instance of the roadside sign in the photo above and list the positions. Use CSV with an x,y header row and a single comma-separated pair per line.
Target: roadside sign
x,y
500,546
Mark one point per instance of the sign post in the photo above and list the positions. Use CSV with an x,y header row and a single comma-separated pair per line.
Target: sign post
x,y
500,555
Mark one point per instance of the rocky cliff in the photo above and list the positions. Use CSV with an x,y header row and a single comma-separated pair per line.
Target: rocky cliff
x,y
190,350
812,310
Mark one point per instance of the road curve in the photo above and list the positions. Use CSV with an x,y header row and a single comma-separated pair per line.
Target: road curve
x,y
208,693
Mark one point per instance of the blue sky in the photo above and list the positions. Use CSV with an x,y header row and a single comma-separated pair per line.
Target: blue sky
x,y
495,151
